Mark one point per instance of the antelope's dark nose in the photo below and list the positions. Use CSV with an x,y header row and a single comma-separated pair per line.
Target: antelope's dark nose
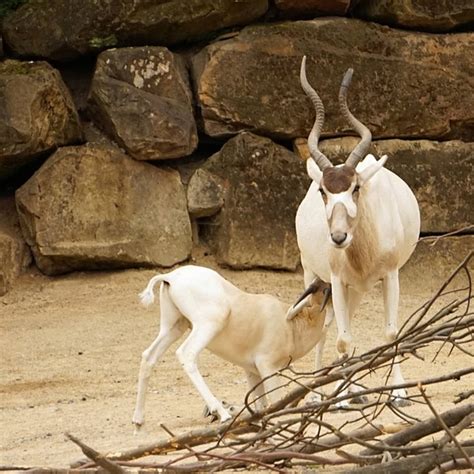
x,y
338,237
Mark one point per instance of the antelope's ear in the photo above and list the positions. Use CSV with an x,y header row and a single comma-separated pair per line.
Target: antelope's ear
x,y
368,172
313,171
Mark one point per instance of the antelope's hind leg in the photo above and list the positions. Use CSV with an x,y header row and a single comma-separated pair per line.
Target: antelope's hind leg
x,y
172,326
201,335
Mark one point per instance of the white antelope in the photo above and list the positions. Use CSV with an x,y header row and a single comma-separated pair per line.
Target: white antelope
x,y
358,224
246,329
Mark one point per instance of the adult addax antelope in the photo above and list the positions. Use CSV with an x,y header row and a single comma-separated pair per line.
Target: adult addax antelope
x,y
357,225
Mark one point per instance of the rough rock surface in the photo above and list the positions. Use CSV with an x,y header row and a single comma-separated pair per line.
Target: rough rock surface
x,y
15,255
300,8
205,194
434,260
37,114
429,15
142,99
405,84
93,207
264,183
439,173
60,30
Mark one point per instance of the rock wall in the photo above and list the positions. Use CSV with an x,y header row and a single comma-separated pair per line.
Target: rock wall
x,y
131,130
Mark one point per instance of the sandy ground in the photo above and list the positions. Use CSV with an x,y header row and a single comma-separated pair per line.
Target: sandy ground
x,y
71,347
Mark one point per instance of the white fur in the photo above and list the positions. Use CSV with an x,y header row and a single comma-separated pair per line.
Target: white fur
x,y
392,226
246,329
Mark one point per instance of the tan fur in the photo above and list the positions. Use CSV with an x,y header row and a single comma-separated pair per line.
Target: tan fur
x,y
310,319
364,249
362,257
248,330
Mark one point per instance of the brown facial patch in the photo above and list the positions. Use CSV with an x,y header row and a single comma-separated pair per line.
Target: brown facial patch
x,y
337,180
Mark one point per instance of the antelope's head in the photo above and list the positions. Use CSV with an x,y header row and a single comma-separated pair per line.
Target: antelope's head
x,y
341,186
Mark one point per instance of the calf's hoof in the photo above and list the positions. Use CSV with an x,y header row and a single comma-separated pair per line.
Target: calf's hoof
x,y
225,413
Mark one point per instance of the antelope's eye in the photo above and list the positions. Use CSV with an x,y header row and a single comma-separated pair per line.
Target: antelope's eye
x,y
356,189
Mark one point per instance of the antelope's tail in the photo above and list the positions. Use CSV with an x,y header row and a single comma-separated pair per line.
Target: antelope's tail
x,y
147,296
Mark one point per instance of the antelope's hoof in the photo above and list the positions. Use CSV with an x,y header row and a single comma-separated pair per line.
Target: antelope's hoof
x,y
343,343
343,405
212,415
227,413
137,428
313,399
360,400
400,402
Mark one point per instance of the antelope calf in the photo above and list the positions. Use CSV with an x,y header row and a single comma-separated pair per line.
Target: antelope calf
x,y
249,330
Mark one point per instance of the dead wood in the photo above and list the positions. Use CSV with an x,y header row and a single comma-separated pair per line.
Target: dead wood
x,y
424,428
283,434
453,464
421,463
463,396
15,468
46,470
445,427
95,456
436,238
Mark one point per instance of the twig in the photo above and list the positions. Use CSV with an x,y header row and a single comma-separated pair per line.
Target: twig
x,y
444,425
436,239
15,468
418,463
427,427
453,464
98,458
284,432
463,396
458,428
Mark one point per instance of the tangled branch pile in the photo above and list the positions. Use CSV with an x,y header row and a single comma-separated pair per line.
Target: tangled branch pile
x,y
287,435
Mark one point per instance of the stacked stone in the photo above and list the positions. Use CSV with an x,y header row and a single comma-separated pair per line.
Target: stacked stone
x,y
110,114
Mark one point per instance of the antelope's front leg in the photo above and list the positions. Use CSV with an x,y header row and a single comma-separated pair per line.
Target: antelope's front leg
x,y
341,312
391,293
343,321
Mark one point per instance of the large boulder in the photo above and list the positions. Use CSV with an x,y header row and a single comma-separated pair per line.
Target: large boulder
x,y
405,84
62,30
142,99
306,8
92,207
262,184
15,256
434,260
429,15
37,114
439,173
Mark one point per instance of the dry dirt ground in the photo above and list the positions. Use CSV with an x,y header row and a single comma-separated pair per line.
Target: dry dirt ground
x,y
71,347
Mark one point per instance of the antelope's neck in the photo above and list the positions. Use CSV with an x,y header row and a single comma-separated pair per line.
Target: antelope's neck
x,y
307,328
356,262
